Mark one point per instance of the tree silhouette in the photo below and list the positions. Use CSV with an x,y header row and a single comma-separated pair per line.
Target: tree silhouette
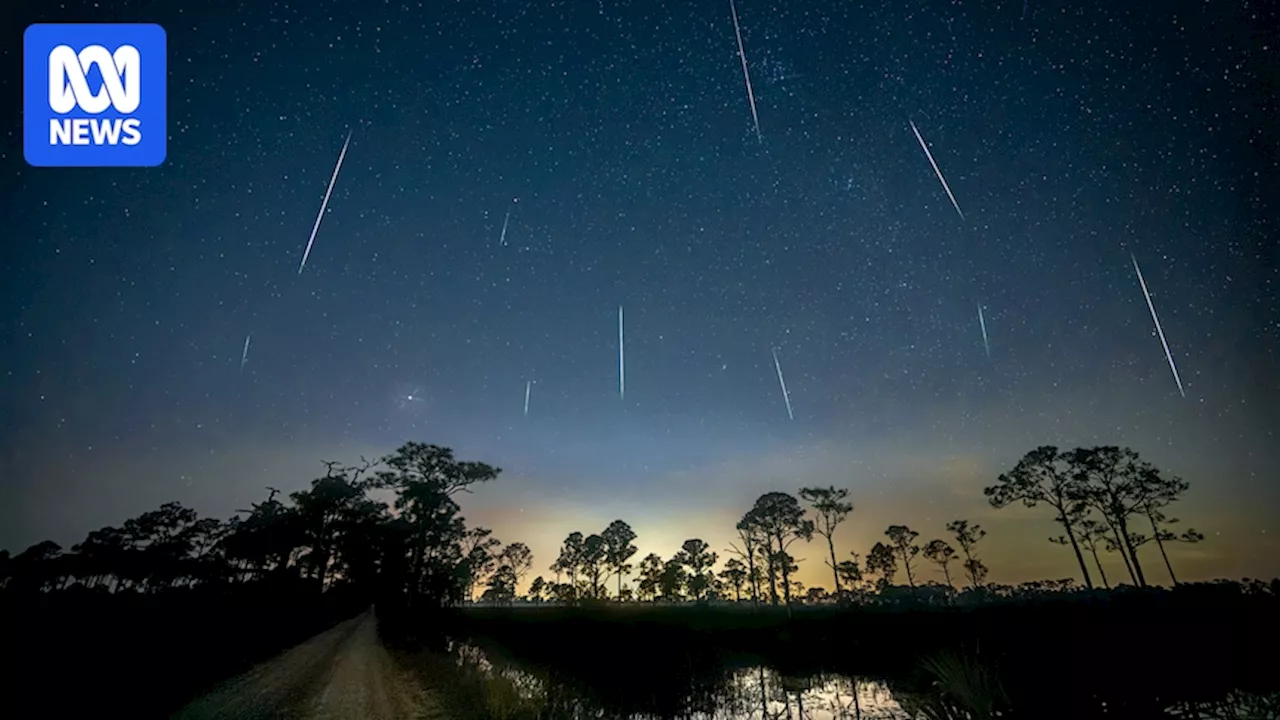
x,y
618,549
903,539
751,542
850,573
1118,484
518,558
882,561
832,508
941,554
1162,492
736,575
781,521
696,555
650,577
672,580
536,589
1089,533
594,564
967,536
1045,476
570,558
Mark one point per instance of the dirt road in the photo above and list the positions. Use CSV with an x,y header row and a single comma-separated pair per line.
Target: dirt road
x,y
342,674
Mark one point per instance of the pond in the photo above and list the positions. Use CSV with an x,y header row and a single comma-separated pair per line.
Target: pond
x,y
509,690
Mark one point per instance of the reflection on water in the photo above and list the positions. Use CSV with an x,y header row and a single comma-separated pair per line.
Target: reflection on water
x,y
509,692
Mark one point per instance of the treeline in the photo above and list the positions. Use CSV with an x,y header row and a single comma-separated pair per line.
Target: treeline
x,y
1100,497
417,550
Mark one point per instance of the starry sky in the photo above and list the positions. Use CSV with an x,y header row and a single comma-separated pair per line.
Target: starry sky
x,y
617,136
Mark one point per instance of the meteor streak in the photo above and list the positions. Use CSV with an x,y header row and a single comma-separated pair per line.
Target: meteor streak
x,y
936,170
325,203
528,385
622,366
1159,331
503,240
983,322
786,396
742,54
244,355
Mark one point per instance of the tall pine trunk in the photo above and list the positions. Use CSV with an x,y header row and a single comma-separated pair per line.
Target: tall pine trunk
x,y
831,545
1075,547
1155,532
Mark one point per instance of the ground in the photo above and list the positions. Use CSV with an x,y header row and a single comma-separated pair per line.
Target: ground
x,y
344,673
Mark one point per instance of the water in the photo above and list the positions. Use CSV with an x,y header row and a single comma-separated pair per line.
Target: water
x,y
510,692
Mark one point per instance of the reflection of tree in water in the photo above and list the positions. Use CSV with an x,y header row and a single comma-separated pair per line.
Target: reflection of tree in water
x,y
949,688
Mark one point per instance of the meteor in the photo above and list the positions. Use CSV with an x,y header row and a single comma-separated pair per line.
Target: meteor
x,y
936,170
982,321
1159,331
786,396
244,355
742,54
325,203
528,385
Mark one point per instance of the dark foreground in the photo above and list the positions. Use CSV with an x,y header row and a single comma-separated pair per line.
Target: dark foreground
x,y
80,653
1148,655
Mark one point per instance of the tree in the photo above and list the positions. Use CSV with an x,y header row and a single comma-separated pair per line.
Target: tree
x,y
967,536
570,558
751,541
1089,532
672,580
941,554
735,574
425,479
850,573
536,589
1162,492
779,519
519,558
696,555
502,586
593,565
831,508
1118,484
903,540
1045,476
883,562
479,557
618,549
650,577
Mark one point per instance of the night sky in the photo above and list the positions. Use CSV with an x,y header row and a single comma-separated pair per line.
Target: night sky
x,y
619,137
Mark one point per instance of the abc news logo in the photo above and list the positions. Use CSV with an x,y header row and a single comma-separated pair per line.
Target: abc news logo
x,y
94,95
69,89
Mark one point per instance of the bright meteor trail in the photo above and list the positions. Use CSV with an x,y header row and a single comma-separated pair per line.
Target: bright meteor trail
x,y
742,53
244,356
325,203
1159,331
786,396
528,385
983,322
936,170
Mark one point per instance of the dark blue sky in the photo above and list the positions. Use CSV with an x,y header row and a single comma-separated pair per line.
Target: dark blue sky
x,y
1071,134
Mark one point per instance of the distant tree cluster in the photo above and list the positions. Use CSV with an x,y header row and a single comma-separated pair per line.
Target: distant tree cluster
x,y
332,534
419,547
1097,494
